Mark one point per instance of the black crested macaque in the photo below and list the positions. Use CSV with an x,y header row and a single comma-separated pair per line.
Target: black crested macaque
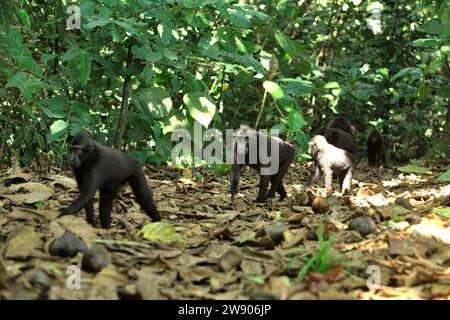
x,y
342,122
375,148
341,139
248,151
97,167
330,159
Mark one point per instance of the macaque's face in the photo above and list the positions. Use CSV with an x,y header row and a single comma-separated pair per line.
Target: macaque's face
x,y
373,138
316,144
79,150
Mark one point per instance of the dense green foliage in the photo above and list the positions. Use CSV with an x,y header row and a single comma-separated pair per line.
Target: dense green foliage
x,y
286,64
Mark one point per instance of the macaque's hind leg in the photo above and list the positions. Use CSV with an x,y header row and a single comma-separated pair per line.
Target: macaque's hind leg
x,y
281,191
278,187
347,183
277,179
273,187
106,202
90,212
263,186
144,196
235,177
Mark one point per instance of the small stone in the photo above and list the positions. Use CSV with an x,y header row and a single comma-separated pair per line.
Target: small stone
x,y
68,245
413,218
311,236
364,225
95,259
40,278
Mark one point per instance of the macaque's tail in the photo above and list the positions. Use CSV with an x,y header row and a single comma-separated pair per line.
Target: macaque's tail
x,y
144,196
235,177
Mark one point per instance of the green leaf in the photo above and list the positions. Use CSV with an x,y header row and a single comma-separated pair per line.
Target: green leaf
x,y
174,124
444,177
331,85
22,13
444,212
298,87
295,121
26,83
83,64
362,94
127,27
200,107
146,53
240,45
160,231
100,22
432,26
302,140
412,168
413,72
57,107
445,50
258,279
274,89
302,65
57,130
288,45
154,102
426,43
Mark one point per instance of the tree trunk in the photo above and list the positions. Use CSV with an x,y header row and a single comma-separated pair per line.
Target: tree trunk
x,y
124,105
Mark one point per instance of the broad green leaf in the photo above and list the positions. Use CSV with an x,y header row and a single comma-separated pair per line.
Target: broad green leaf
x,y
302,65
302,139
444,212
57,130
200,107
160,231
280,127
412,168
238,18
99,22
444,177
274,89
175,123
83,67
22,13
297,87
26,83
432,26
288,45
146,53
154,102
127,27
295,121
57,107
362,95
189,3
413,72
17,80
426,43
28,63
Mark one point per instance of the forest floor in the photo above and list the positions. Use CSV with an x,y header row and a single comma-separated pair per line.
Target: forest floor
x,y
247,251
